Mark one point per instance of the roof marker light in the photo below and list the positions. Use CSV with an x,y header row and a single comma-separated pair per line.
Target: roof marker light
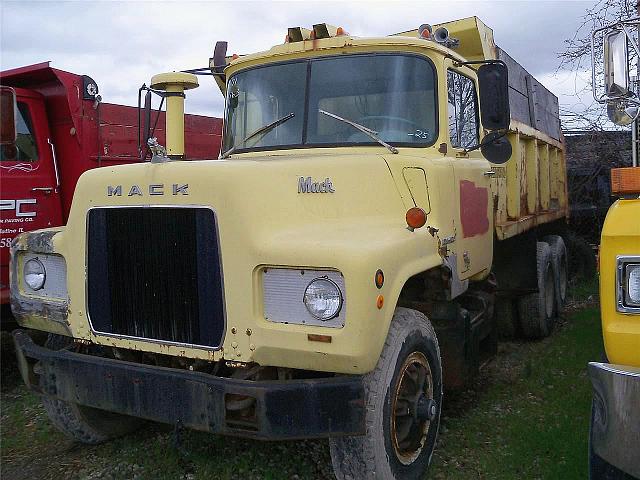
x,y
324,30
298,34
425,30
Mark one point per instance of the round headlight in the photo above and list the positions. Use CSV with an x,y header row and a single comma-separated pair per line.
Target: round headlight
x,y
323,299
34,274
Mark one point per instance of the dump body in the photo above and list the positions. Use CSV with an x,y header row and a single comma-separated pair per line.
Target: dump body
x,y
70,132
531,189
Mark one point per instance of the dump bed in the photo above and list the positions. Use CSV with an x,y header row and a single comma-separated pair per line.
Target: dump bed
x,y
531,188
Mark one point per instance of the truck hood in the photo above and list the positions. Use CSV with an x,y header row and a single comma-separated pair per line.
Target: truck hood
x,y
268,200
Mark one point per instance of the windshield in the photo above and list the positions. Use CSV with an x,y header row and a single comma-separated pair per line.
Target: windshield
x,y
393,95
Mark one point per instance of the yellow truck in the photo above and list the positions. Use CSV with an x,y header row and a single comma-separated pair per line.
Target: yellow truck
x,y
614,439
375,202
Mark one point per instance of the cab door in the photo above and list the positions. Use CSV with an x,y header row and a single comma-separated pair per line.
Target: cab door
x,y
474,240
29,182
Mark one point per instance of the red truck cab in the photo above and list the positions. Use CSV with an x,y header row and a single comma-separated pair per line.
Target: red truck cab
x,y
63,129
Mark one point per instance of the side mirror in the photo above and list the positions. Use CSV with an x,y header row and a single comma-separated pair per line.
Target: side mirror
x,y
220,57
493,81
616,64
496,148
8,106
146,119
621,114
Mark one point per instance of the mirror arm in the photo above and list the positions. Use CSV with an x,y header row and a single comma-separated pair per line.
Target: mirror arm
x,y
203,71
482,142
479,62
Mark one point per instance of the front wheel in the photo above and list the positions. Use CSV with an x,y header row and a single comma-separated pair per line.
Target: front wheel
x,y
403,401
84,424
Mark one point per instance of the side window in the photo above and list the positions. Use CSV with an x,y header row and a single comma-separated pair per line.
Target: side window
x,y
25,148
463,111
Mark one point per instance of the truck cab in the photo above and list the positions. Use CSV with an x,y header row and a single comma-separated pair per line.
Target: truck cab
x,y
30,179
330,273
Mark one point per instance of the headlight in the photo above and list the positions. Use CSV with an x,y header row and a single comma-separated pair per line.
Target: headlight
x,y
628,284
323,299
34,274
633,284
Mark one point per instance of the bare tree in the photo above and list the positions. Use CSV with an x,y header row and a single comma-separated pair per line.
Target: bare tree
x,y
577,58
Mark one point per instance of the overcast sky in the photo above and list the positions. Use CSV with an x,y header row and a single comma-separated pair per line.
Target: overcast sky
x,y
122,44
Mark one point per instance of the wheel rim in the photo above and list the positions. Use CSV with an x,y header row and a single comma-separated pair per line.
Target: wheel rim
x,y
549,293
413,408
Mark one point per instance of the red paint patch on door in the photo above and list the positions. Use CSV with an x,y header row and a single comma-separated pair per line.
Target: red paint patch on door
x,y
474,202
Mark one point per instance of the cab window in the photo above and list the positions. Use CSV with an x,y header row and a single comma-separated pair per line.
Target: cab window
x,y
462,109
25,148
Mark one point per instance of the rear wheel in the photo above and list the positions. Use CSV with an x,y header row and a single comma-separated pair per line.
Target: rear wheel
x,y
84,424
537,309
403,404
559,264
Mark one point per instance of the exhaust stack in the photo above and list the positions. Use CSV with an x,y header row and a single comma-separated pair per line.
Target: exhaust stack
x,y
174,85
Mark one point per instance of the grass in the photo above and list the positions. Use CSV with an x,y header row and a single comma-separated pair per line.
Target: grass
x,y
526,416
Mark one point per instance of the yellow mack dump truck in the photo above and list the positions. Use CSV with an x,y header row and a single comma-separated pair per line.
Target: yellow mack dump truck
x,y
614,439
376,200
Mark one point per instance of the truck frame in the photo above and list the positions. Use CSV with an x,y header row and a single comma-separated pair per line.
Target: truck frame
x,y
351,253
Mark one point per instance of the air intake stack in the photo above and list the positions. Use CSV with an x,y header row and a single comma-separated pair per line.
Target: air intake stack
x,y
174,85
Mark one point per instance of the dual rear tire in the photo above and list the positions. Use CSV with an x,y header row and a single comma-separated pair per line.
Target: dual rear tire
x,y
538,311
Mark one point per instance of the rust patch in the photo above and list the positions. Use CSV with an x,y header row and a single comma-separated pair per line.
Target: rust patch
x,y
474,202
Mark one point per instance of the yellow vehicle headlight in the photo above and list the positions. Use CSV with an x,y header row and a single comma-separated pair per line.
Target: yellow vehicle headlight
x,y
633,284
628,284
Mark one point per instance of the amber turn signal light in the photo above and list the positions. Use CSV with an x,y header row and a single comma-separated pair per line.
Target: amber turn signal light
x,y
379,278
416,217
625,181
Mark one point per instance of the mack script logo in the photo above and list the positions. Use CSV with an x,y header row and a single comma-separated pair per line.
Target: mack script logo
x,y
306,185
154,189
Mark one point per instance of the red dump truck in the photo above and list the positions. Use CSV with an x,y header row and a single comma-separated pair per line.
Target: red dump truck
x,y
63,129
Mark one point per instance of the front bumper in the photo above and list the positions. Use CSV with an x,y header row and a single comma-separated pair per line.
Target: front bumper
x,y
309,408
615,422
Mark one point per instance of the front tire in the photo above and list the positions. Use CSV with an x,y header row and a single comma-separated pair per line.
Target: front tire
x,y
403,402
84,424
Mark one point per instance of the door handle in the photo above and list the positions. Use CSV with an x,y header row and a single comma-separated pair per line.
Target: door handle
x,y
42,189
490,173
55,163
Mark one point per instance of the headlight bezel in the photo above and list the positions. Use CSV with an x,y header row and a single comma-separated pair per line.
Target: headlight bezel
x,y
331,284
54,289
624,265
36,264
283,291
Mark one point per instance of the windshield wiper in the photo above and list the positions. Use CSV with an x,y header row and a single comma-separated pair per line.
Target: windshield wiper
x,y
265,129
362,128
